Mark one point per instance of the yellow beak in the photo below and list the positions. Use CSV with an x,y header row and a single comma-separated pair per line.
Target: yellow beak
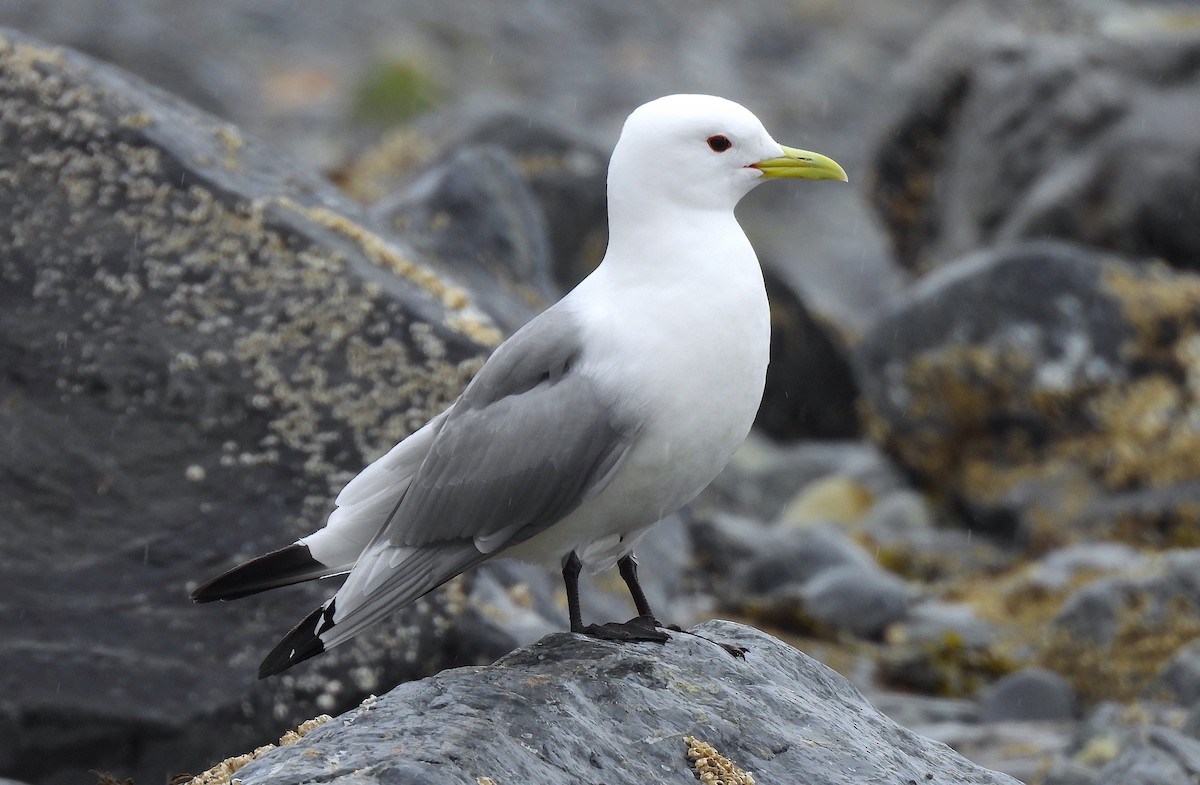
x,y
802,163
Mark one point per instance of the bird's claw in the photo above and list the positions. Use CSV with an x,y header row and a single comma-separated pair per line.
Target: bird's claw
x,y
639,628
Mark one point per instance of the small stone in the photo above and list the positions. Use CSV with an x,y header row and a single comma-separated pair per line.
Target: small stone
x,y
1029,694
861,600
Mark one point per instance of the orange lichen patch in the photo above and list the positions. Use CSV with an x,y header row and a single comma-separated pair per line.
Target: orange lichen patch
x,y
222,773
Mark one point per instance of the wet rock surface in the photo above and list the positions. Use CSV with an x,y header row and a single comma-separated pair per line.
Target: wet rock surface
x,y
589,711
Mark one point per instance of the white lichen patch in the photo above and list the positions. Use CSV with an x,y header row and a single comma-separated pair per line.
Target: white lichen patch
x,y
222,773
713,767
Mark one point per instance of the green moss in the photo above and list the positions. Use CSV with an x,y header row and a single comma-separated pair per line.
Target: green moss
x,y
393,92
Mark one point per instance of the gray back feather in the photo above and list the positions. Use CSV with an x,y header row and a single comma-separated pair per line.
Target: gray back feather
x,y
524,445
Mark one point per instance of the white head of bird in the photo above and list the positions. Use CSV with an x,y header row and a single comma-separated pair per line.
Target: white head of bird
x,y
703,152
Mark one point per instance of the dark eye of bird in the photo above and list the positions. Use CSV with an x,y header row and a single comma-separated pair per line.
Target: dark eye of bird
x,y
719,144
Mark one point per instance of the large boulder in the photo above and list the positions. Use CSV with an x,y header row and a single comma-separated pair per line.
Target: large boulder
x,y
199,342
1066,119
1048,391
580,710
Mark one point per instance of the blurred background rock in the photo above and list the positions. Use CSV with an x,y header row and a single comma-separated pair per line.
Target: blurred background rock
x,y
974,486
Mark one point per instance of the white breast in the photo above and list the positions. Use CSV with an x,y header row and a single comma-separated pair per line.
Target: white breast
x,y
687,354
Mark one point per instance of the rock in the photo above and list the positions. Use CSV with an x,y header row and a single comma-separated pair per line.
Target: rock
x,y
862,601
908,540
1043,388
1179,680
933,621
1022,750
473,213
1066,119
811,580
563,172
764,476
838,499
594,711
1028,694
795,556
810,390
942,648
1114,635
1064,567
1144,765
201,341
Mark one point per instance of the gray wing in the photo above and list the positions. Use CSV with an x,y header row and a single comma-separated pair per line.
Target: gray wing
x,y
529,439
527,442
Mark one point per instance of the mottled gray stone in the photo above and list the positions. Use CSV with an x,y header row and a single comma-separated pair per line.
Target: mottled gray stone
x,y
579,710
932,622
796,556
1144,765
861,600
1028,694
200,341
1179,679
473,213
1007,384
1064,119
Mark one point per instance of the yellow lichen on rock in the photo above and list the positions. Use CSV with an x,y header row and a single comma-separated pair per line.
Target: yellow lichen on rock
x,y
713,767
222,773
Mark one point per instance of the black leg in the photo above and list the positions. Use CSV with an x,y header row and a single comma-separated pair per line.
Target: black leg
x,y
571,568
627,565
643,628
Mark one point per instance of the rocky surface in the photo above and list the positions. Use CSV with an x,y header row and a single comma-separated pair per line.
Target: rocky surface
x,y
1048,389
1031,120
580,710
200,340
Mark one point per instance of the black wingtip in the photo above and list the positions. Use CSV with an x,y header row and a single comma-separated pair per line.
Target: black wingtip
x,y
300,644
283,567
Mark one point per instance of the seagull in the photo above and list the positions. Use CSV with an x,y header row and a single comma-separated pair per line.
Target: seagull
x,y
602,415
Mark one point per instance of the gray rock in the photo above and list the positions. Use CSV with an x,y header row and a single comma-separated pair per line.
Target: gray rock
x,y
1017,383
1064,771
1064,119
590,711
763,476
1019,749
910,540
201,341
810,390
1144,765
860,600
1058,569
473,213
1028,694
932,622
901,515
796,556
1179,680
1115,635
